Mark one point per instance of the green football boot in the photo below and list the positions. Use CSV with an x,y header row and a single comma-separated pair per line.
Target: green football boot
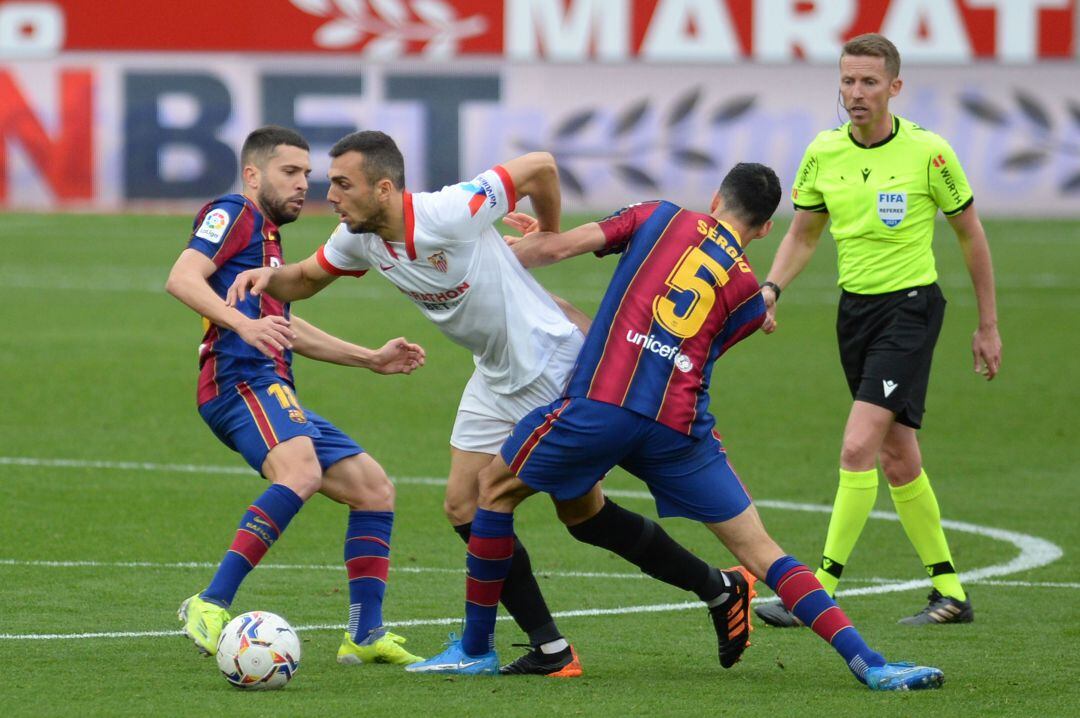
x,y
203,622
380,646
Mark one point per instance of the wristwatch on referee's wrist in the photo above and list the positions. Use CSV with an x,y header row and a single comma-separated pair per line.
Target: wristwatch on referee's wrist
x,y
773,286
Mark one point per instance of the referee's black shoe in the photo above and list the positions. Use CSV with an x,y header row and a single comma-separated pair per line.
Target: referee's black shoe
x,y
941,609
564,664
731,619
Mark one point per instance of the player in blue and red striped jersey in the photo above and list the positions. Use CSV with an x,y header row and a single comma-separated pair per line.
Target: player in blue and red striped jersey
x,y
682,294
479,295
246,396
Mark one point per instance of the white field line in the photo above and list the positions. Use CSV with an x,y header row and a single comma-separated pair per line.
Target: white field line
x,y
122,465
656,608
338,627
607,575
1034,552
633,576
623,610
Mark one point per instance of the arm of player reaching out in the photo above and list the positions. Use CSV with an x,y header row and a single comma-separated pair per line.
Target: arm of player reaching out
x,y
539,249
986,343
188,282
527,224
792,256
536,176
397,356
287,283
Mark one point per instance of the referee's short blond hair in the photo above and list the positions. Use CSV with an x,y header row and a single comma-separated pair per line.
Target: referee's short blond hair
x,y
872,44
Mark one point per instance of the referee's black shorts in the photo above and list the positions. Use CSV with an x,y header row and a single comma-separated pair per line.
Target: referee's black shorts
x,y
886,345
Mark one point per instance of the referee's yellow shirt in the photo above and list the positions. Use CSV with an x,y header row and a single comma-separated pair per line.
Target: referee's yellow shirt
x,y
881,201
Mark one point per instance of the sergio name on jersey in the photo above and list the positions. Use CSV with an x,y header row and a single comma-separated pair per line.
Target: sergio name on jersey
x,y
455,266
682,295
881,201
233,233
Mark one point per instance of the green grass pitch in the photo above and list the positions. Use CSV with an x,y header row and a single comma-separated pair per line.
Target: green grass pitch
x,y
116,501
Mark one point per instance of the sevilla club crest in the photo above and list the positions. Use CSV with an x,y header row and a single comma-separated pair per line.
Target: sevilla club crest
x,y
438,260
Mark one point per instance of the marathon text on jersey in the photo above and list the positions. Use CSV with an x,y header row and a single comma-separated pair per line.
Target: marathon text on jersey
x,y
439,300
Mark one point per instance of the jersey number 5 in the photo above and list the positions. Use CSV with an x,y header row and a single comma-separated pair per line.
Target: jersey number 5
x,y
685,278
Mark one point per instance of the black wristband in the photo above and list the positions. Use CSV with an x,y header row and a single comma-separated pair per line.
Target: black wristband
x,y
773,286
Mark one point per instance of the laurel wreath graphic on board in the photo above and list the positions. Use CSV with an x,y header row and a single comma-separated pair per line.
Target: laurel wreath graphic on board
x,y
388,25
624,158
1043,133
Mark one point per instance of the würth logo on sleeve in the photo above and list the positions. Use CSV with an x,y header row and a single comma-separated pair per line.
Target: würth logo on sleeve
x,y
438,260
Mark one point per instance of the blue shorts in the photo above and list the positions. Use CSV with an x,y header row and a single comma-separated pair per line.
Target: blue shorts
x,y
564,448
254,418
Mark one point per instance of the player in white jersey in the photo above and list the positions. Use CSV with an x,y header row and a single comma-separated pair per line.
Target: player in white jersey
x,y
442,251
456,268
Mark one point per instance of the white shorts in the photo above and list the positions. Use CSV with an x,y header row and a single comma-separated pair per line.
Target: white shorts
x,y
485,418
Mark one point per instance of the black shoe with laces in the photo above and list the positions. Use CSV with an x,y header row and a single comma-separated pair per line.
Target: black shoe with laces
x,y
731,619
941,609
564,664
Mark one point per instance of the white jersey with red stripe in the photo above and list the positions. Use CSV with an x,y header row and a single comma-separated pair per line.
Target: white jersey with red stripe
x,y
457,269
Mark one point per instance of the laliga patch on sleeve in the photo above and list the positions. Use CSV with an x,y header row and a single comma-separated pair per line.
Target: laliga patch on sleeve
x,y
213,226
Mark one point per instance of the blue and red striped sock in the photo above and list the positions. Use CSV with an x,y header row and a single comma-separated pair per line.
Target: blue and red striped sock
x,y
367,561
804,596
491,548
262,524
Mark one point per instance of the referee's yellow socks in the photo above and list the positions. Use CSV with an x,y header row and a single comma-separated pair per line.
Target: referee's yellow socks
x,y
921,518
854,501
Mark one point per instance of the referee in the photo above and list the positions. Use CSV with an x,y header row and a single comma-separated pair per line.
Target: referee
x,y
881,180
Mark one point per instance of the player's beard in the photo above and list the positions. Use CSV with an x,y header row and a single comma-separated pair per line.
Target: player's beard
x,y
362,227
276,208
373,224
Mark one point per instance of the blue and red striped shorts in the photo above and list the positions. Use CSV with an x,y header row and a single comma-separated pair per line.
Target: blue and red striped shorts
x,y
256,416
564,448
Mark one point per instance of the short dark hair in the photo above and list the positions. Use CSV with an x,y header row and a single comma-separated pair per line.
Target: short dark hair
x,y
751,192
382,158
261,143
871,44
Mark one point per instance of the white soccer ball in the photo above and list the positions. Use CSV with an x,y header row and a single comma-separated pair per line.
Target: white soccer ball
x,y
258,650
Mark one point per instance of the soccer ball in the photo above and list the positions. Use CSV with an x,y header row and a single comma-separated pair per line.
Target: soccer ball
x,y
258,650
